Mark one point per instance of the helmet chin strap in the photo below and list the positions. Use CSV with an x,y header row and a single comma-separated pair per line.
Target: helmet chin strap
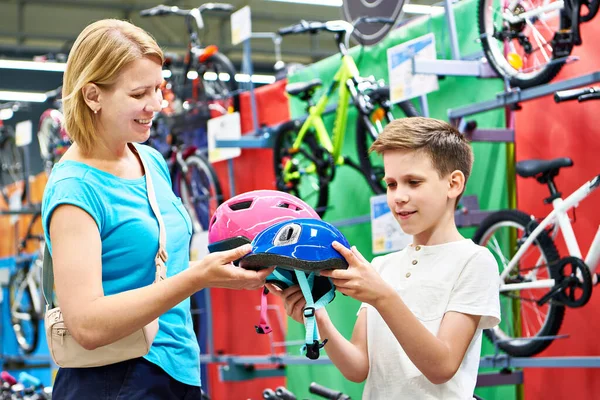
x,y
312,345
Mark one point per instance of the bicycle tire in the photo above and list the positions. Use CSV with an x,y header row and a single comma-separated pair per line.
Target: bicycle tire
x,y
218,90
554,317
371,164
11,167
200,191
311,187
27,336
500,65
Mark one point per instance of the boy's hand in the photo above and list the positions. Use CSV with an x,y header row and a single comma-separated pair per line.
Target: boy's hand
x,y
293,300
360,281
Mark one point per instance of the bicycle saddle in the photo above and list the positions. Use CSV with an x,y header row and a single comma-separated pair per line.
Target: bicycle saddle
x,y
303,89
529,168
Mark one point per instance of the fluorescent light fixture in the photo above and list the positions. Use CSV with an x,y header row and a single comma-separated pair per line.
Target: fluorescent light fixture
x,y
407,8
6,113
32,97
33,65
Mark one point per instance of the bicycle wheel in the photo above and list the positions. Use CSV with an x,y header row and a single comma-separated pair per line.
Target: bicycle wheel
x,y
11,165
217,74
310,168
368,127
24,317
200,190
522,318
522,52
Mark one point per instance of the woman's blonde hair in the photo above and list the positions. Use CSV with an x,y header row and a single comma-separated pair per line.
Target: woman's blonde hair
x,y
99,54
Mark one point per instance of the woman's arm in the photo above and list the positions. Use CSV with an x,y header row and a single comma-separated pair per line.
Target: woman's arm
x,y
96,320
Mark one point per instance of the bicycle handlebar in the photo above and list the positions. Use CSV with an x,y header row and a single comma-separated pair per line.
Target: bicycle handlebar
x,y
337,26
163,10
584,94
269,394
327,393
173,10
373,20
589,96
284,394
195,13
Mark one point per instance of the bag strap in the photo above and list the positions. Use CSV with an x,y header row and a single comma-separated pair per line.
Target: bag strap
x,y
159,260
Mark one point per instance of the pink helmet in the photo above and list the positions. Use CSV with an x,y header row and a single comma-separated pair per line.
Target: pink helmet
x,y
248,214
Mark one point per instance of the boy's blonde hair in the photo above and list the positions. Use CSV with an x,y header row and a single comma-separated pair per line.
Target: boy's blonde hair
x,y
447,148
99,54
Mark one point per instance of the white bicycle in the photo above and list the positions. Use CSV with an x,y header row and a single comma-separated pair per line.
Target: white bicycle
x,y
536,283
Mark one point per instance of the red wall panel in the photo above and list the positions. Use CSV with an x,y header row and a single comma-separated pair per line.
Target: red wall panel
x,y
548,130
235,312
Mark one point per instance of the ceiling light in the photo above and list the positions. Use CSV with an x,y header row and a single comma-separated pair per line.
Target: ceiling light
x,y
32,97
6,113
33,65
242,78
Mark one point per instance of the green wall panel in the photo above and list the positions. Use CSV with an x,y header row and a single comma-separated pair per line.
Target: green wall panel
x,y
349,192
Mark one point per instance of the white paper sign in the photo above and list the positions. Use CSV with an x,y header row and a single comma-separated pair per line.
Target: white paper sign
x,y
225,127
23,131
405,85
387,236
241,25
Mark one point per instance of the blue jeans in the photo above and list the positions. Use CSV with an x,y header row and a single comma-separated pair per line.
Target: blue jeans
x,y
128,380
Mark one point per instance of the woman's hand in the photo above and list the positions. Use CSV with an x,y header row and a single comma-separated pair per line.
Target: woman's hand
x,y
217,270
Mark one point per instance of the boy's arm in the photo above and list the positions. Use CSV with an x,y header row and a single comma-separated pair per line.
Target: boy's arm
x,y
350,357
437,357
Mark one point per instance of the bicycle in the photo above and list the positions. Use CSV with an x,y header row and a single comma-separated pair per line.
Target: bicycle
x,y
52,136
305,156
192,176
11,157
24,294
216,82
536,283
528,42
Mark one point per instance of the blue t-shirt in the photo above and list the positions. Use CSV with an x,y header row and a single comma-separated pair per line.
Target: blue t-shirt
x,y
129,232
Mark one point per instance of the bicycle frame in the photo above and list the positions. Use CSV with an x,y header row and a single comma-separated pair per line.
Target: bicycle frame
x,y
558,215
341,81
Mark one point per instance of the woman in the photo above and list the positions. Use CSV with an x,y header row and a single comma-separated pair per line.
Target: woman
x,y
103,236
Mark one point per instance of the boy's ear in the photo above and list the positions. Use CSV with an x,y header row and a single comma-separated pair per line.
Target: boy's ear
x,y
456,184
91,95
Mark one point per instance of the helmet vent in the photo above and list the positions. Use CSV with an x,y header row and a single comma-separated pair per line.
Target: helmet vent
x,y
288,205
288,234
242,205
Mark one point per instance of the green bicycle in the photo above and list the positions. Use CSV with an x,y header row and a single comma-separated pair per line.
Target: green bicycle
x,y
305,156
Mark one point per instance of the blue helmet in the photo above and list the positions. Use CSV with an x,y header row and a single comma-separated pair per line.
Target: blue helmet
x,y
300,244
299,249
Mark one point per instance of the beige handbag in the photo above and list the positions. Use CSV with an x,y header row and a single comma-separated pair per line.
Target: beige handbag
x,y
65,351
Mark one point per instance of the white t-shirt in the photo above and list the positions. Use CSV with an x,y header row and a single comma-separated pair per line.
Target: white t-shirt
x,y
431,280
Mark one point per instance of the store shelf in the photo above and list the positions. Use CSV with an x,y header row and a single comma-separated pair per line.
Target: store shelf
x,y
517,95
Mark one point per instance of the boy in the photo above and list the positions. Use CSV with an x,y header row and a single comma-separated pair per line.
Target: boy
x,y
419,328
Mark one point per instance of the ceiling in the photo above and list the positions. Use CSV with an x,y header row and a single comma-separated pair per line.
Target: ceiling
x,y
36,27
